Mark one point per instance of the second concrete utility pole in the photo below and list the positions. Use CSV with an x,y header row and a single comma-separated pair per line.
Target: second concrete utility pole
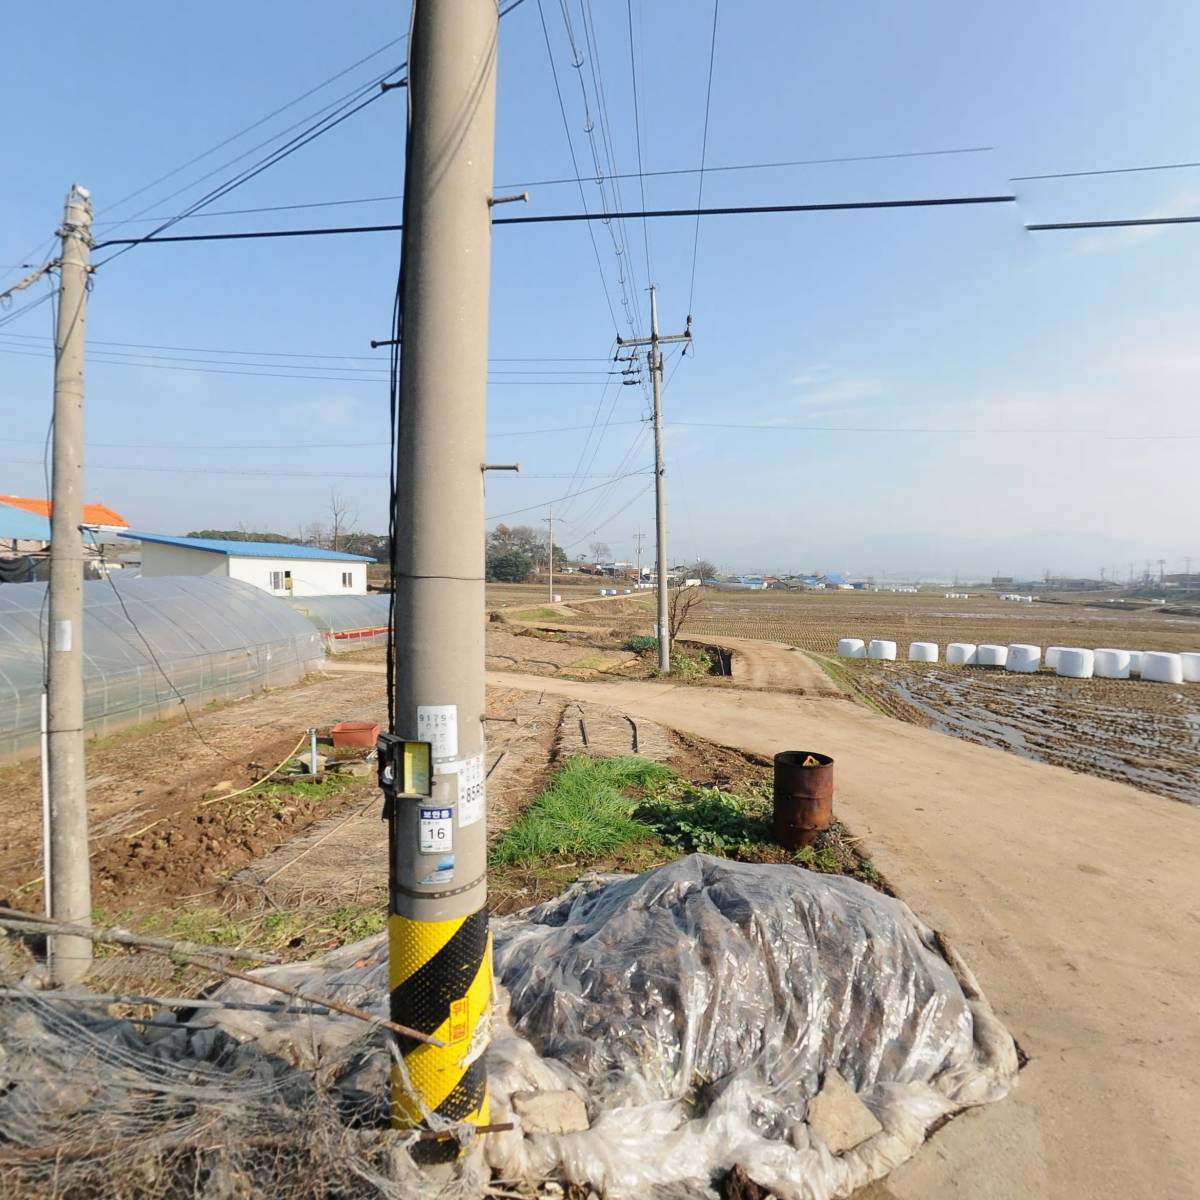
x,y
654,341
67,861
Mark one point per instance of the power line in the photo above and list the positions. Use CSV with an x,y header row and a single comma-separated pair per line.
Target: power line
x,y
893,429
1179,166
554,500
562,218
261,121
637,129
209,446
296,354
562,108
613,176
277,374
1131,223
712,54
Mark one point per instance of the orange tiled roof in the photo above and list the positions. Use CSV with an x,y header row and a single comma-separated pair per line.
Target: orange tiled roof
x,y
93,514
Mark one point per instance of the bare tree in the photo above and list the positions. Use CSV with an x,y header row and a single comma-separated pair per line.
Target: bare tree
x,y
680,606
599,550
314,534
702,569
341,517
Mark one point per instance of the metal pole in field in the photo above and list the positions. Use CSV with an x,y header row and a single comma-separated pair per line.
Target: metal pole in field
x,y
660,496
69,871
550,555
438,942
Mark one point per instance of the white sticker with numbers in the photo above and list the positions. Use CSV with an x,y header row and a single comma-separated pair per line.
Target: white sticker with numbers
x,y
437,830
470,790
438,725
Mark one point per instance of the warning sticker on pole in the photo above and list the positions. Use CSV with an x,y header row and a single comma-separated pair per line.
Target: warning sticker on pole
x,y
436,830
438,725
470,791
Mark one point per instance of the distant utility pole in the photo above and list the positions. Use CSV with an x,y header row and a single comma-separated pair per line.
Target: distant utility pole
x,y
550,555
654,341
638,538
432,764
1162,571
67,867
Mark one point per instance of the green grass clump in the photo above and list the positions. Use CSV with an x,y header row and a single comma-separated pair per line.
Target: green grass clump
x,y
706,820
539,614
640,643
690,664
584,811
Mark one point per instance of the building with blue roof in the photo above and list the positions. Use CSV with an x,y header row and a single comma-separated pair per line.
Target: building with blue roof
x,y
281,568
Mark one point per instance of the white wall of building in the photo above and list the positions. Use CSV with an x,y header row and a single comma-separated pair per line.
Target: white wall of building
x,y
308,576
158,559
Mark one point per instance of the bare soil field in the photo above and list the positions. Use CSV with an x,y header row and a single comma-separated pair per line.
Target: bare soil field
x,y
1145,734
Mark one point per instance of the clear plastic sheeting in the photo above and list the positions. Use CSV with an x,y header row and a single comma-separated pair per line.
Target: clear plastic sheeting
x,y
347,622
214,639
695,1011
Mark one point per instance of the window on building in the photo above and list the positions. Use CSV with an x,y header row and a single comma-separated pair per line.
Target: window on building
x,y
347,579
277,581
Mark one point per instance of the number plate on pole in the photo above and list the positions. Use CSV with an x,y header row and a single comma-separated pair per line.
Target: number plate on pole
x,y
437,830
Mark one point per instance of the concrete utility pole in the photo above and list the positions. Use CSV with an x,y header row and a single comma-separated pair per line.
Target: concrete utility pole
x,y
638,539
68,869
438,941
654,341
550,554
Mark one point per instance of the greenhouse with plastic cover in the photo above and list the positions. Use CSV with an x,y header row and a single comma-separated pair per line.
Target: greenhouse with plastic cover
x,y
147,643
347,622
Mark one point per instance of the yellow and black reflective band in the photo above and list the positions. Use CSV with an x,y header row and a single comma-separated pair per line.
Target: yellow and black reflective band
x,y
440,978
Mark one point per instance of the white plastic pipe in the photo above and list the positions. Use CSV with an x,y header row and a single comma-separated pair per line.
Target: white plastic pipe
x,y
1191,667
1112,664
852,648
991,656
884,651
1052,653
1023,658
1160,667
923,652
1075,663
961,654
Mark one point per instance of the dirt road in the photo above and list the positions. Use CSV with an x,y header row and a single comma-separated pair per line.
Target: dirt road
x,y
1075,900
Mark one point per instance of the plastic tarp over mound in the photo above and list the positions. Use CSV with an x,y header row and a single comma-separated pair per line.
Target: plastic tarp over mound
x,y
682,1022
699,1009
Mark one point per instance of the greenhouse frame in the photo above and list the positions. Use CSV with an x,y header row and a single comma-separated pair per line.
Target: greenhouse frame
x,y
146,644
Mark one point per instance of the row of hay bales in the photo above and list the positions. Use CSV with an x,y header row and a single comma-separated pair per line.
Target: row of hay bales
x,y
1072,662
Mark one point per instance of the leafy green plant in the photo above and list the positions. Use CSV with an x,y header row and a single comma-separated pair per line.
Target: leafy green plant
x,y
707,820
584,811
640,643
690,664
357,921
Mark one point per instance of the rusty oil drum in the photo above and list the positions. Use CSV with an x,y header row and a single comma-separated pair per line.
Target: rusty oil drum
x,y
803,797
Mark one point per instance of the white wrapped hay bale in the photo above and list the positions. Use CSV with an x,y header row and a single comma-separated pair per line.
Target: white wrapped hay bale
x,y
852,648
923,652
1075,663
1191,667
991,656
882,650
1160,667
961,654
1052,653
1112,664
1135,661
1023,658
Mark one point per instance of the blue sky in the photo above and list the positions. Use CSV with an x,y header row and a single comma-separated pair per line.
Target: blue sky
x,y
1044,369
